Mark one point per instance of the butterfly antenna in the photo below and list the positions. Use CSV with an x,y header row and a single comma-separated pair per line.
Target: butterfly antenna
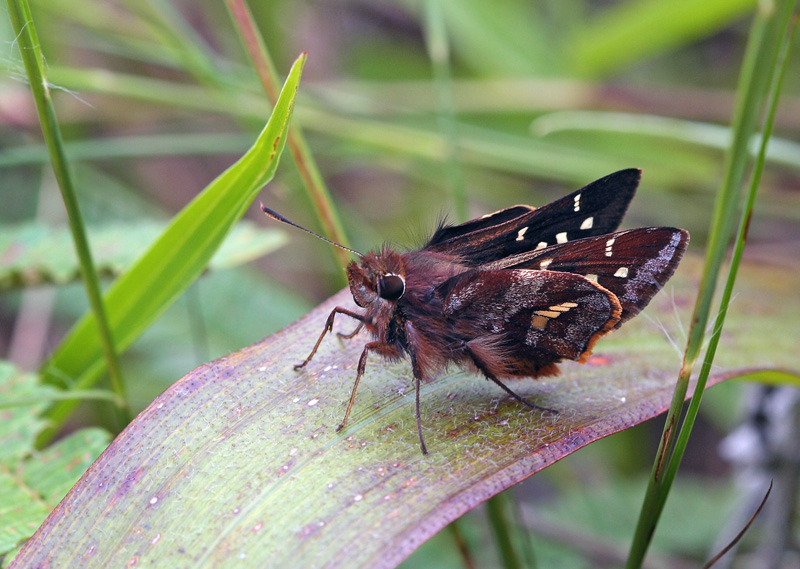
x,y
278,217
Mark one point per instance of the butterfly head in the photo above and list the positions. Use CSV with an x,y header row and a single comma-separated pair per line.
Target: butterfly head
x,y
377,278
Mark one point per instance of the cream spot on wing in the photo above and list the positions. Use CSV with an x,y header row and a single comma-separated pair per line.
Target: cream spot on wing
x,y
541,245
609,245
547,313
621,272
587,223
542,317
591,277
577,206
521,234
539,322
561,237
544,264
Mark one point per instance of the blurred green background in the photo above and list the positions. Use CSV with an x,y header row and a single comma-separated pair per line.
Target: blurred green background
x,y
413,110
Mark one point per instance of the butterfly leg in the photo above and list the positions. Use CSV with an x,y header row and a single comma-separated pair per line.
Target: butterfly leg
x,y
417,377
351,334
380,347
412,340
329,328
485,371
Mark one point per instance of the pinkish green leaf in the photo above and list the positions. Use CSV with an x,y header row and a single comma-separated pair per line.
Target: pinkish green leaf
x,y
240,463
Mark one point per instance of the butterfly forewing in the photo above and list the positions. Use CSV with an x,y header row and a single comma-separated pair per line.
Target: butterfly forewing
x,y
529,319
499,217
595,209
633,264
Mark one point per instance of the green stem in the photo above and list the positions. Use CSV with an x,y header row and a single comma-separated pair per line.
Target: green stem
x,y
439,54
33,59
758,71
507,530
738,251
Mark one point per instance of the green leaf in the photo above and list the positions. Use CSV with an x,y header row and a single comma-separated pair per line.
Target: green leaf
x,y
240,462
20,425
35,254
172,263
32,483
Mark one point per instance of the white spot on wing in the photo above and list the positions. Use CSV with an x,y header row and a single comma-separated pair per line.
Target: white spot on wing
x,y
544,264
621,272
541,245
591,277
561,237
609,245
577,203
521,234
587,223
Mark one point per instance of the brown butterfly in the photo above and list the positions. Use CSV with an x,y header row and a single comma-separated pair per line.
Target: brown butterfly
x,y
511,293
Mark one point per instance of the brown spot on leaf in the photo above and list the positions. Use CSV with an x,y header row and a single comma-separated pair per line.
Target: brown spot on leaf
x,y
309,530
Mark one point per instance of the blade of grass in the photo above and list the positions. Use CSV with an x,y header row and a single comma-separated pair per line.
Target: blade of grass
x,y
632,31
512,41
306,165
172,32
767,36
172,263
159,145
736,259
782,152
33,58
772,377
98,394
439,53
477,146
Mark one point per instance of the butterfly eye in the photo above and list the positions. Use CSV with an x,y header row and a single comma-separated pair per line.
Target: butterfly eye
x,y
391,287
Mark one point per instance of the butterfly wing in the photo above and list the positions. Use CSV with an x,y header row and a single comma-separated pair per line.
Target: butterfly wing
x,y
633,264
595,209
521,322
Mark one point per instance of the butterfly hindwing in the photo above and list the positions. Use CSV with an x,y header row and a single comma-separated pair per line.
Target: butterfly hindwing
x,y
595,209
541,317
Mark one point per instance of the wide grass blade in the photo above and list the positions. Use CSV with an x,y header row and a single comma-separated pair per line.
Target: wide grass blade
x,y
240,462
